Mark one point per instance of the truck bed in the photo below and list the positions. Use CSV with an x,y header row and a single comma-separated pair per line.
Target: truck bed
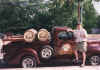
x,y
93,37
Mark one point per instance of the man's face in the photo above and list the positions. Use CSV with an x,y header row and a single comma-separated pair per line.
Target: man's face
x,y
79,26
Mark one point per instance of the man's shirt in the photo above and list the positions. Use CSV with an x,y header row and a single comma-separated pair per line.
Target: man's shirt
x,y
81,35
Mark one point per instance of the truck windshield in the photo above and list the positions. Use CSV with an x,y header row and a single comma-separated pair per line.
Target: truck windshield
x,y
65,35
70,35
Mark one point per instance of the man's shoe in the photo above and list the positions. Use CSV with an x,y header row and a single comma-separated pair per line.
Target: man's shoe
x,y
82,65
75,61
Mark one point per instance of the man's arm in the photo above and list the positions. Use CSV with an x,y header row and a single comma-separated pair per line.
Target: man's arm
x,y
85,35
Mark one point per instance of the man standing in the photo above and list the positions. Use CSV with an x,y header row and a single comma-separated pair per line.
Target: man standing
x,y
81,43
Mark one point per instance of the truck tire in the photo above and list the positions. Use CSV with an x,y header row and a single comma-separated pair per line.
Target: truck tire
x,y
46,52
95,60
28,62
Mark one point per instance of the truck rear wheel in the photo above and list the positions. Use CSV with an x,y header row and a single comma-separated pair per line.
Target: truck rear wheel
x,y
95,60
28,62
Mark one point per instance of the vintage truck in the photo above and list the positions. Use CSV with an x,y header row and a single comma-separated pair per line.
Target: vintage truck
x,y
17,50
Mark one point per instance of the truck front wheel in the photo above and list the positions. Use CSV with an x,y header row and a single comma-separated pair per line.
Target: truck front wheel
x,y
28,62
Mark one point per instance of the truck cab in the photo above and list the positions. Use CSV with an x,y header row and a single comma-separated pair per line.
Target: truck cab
x,y
62,44
63,40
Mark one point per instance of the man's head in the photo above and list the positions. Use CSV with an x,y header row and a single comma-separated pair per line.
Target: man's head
x,y
79,26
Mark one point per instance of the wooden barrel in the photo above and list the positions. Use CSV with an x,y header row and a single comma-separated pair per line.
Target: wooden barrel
x,y
43,35
30,35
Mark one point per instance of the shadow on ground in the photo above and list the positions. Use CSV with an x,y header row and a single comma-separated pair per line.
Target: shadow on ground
x,y
46,64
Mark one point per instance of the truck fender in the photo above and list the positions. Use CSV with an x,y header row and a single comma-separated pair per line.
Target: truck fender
x,y
22,53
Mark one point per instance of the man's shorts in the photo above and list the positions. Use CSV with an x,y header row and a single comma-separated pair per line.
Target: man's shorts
x,y
81,46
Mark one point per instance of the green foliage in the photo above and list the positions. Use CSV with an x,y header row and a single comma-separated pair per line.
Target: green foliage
x,y
97,0
19,15
89,16
62,16
98,22
24,14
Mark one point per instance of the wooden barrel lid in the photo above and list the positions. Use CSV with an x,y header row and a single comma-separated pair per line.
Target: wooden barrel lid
x,y
30,35
43,35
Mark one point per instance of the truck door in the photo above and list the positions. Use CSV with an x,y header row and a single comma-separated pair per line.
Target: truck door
x,y
62,45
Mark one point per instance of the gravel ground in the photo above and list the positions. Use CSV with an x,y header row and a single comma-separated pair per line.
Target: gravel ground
x,y
57,68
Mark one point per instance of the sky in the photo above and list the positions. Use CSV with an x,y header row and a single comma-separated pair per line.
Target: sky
x,y
97,6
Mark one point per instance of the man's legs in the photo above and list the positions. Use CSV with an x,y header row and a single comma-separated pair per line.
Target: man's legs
x,y
76,54
84,49
84,58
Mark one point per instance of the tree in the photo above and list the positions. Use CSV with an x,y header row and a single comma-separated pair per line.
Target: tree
x,y
20,15
25,14
37,14
89,15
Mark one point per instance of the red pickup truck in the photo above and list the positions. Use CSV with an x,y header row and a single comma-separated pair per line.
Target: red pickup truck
x,y
60,46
